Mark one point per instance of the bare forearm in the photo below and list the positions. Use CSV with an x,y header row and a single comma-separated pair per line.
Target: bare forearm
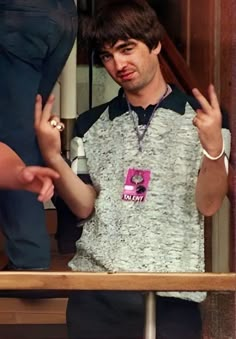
x,y
11,164
212,186
79,196
9,177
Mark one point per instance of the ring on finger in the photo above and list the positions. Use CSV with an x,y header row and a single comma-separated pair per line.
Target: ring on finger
x,y
53,123
60,126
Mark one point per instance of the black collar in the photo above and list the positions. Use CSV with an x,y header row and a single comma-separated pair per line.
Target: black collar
x,y
175,101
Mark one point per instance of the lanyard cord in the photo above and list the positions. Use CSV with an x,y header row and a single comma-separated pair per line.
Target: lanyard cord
x,y
141,134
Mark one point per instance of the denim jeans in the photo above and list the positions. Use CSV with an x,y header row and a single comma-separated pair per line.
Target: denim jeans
x,y
36,37
120,315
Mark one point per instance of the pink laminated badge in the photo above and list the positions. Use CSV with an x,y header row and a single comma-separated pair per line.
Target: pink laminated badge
x,y
136,185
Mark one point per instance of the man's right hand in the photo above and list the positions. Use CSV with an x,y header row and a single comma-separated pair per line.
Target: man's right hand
x,y
47,128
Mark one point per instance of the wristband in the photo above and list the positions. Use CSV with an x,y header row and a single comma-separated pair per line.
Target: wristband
x,y
214,158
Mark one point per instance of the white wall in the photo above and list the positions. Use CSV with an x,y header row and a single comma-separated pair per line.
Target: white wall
x,y
104,88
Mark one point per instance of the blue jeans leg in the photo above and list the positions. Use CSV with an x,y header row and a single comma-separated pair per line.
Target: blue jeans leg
x,y
36,38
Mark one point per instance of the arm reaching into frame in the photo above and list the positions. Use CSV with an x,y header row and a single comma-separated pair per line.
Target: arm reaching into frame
x,y
14,174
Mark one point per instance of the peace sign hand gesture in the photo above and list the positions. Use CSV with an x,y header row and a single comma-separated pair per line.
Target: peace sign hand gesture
x,y
47,128
208,121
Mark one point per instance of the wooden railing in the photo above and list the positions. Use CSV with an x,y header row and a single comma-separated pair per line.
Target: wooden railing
x,y
148,282
66,280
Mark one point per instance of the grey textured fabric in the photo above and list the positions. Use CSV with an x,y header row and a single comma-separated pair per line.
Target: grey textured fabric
x,y
166,232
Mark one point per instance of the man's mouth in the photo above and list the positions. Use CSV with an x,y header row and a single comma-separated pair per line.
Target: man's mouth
x,y
124,76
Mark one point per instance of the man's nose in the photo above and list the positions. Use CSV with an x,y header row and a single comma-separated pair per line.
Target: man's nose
x,y
120,63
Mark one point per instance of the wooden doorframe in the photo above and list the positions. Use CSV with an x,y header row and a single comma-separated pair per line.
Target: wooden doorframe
x,y
228,100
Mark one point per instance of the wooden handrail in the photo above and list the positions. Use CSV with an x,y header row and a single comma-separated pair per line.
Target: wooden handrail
x,y
35,280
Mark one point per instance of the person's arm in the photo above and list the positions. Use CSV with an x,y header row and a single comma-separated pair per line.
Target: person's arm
x,y
79,196
212,186
14,174
212,182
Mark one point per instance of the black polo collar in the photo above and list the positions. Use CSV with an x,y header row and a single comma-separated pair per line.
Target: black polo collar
x,y
175,101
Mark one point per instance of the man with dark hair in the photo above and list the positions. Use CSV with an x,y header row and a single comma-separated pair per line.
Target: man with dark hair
x,y
156,160
36,37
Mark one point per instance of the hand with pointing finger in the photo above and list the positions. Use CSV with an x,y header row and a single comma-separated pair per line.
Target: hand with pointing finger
x,y
208,121
15,175
37,179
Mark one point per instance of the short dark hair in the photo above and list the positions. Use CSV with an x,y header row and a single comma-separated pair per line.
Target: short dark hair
x,y
122,20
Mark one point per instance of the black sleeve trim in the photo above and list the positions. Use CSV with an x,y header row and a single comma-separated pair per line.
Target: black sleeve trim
x,y
193,103
85,178
87,119
225,119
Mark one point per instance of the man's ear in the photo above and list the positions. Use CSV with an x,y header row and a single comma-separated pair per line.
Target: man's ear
x,y
157,49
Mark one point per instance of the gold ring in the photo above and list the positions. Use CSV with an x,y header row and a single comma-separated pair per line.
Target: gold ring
x,y
60,126
53,123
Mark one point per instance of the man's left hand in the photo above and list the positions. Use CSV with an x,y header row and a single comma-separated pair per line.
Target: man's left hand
x,y
208,121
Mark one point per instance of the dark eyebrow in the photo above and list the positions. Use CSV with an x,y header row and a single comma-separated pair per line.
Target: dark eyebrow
x,y
119,47
125,44
102,52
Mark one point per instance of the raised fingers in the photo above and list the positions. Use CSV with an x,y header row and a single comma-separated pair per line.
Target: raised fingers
x,y
205,105
47,110
42,114
37,110
208,107
213,98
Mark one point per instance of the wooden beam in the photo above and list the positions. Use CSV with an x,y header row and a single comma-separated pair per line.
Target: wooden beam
x,y
117,281
32,311
176,63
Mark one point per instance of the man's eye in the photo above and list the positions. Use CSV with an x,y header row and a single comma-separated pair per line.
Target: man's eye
x,y
127,49
105,57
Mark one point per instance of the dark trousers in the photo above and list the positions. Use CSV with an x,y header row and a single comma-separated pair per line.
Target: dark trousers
x,y
120,315
36,37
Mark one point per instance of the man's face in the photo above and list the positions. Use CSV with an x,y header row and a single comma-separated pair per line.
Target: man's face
x,y
131,64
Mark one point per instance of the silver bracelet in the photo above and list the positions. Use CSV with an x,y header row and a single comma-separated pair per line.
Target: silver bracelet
x,y
217,157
